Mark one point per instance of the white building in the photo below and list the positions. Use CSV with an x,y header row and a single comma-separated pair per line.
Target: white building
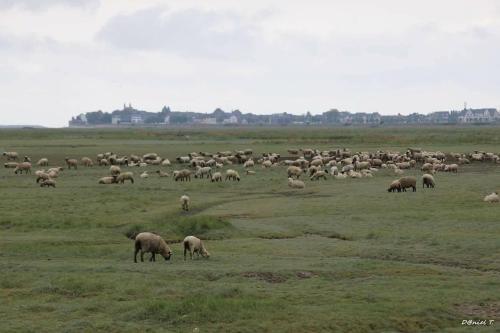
x,y
136,119
115,120
231,120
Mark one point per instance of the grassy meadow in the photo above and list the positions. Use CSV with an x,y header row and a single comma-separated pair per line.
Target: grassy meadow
x,y
338,256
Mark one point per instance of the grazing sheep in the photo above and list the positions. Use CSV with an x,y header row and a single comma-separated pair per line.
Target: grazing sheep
x,y
340,176
162,174
319,174
43,162
294,171
122,177
23,167
395,186
493,197
108,180
11,155
71,162
232,175
267,164
42,175
250,172
451,168
103,162
194,245
144,175
182,175
216,177
165,162
87,162
185,201
153,243
115,170
407,182
201,172
295,183
10,165
48,183
249,164
428,181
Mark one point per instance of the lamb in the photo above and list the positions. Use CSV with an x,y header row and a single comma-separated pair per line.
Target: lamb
x,y
10,165
71,162
232,175
294,171
395,186
319,174
24,166
115,170
428,180
295,183
165,162
87,162
493,197
144,175
48,183
108,180
249,164
407,182
11,155
162,174
153,243
122,177
185,201
43,162
194,245
216,177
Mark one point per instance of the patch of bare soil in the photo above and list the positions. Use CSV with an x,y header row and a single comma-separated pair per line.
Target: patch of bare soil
x,y
484,310
265,276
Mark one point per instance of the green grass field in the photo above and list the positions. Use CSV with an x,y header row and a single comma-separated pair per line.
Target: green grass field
x,y
338,256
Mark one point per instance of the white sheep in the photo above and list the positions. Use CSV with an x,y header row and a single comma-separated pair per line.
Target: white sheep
x,y
232,175
144,175
295,183
192,245
216,177
493,197
185,201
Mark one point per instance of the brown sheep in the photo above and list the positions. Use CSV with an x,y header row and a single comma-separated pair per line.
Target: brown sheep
x,y
395,186
194,245
71,162
428,180
48,183
407,182
24,166
153,243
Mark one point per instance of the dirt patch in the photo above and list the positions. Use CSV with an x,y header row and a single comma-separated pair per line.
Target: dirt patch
x,y
305,275
483,310
265,276
277,236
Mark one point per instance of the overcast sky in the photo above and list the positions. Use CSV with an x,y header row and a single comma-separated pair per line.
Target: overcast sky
x,y
59,58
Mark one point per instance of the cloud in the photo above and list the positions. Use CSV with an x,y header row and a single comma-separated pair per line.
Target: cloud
x,y
191,33
44,4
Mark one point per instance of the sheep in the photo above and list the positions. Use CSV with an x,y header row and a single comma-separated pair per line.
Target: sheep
x,y
427,167
319,174
334,171
11,155
10,165
103,162
340,176
71,162
361,165
153,243
267,164
150,156
27,159
216,177
493,197
42,175
165,162
232,175
395,186
451,168
294,171
407,182
201,172
162,174
144,175
398,171
185,201
250,172
87,162
194,245
24,166
122,177
43,162
249,164
108,180
428,180
182,175
295,183
115,170
48,183
183,159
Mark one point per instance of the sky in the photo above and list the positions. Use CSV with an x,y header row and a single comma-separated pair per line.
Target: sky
x,y
60,58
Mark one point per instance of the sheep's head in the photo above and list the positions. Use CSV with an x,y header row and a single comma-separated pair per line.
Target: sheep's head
x,y
205,253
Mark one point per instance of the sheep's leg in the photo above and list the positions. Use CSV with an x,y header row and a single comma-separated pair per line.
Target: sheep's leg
x,y
152,257
135,254
191,254
185,250
142,256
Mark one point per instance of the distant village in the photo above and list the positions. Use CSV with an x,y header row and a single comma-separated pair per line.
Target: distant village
x,y
130,116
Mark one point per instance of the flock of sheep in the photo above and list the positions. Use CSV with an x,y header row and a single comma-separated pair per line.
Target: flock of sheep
x,y
311,164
